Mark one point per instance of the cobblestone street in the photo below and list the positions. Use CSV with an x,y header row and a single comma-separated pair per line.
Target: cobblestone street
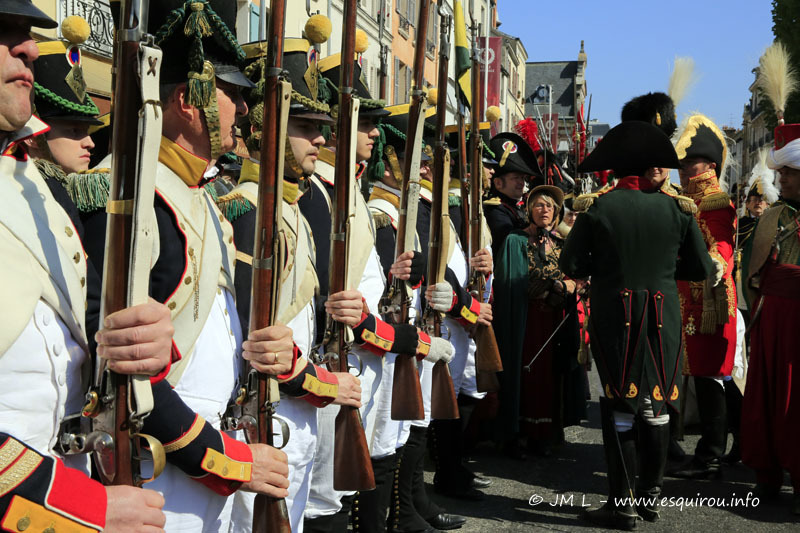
x,y
575,474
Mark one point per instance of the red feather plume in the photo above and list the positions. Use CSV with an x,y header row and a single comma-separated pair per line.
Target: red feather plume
x,y
529,130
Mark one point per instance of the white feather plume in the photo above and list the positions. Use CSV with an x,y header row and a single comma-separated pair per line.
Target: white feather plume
x,y
682,79
776,77
763,178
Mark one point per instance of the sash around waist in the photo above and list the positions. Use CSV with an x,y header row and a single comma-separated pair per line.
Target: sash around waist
x,y
781,280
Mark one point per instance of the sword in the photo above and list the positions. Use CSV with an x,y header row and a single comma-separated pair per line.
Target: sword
x,y
528,366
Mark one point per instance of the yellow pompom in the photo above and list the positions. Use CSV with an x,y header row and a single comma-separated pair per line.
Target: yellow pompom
x,y
362,41
492,113
433,95
75,29
318,28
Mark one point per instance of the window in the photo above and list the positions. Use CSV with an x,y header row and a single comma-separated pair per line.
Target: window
x,y
432,36
402,82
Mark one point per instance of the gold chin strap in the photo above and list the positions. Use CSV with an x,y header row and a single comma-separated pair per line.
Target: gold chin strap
x,y
211,110
292,169
394,163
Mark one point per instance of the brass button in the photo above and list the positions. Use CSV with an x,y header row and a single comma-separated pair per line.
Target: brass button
x,y
219,291
659,326
221,218
183,226
230,240
224,470
77,257
68,231
23,523
187,280
191,251
210,463
172,306
83,282
225,311
626,293
627,324
49,530
658,296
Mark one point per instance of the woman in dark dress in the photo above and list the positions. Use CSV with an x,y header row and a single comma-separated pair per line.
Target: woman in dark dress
x,y
546,397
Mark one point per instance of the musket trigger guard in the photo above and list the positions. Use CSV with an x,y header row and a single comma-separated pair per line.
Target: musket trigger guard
x,y
159,456
284,433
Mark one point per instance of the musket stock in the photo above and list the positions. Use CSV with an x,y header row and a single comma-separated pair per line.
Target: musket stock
x,y
269,514
118,404
487,354
406,390
443,396
352,467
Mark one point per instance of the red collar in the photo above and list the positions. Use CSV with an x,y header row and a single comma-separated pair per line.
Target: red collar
x,y
635,183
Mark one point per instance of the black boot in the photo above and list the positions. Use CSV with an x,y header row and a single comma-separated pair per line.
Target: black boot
x,y
370,507
675,453
733,398
452,478
653,445
620,449
714,433
403,516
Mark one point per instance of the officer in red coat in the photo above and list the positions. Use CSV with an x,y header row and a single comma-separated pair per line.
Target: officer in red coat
x,y
708,307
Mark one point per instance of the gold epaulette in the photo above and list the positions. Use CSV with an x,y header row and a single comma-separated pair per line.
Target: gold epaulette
x,y
382,220
583,202
233,205
685,203
717,200
492,201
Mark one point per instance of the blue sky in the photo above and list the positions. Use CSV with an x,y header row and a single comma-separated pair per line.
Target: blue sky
x,y
631,46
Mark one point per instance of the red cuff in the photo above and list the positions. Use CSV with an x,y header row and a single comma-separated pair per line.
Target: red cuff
x,y
90,505
295,355
469,315
319,395
175,356
235,450
424,346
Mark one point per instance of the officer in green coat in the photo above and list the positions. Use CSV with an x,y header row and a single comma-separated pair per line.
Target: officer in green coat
x,y
634,241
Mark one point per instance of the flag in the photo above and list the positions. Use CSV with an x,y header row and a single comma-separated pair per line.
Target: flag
x,y
463,60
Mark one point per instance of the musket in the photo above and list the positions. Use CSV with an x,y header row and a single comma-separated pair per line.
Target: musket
x,y
261,396
352,467
487,354
443,396
406,390
118,404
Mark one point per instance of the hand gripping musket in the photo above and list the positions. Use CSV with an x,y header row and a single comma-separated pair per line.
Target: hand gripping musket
x,y
117,404
487,354
352,467
254,408
443,396
406,390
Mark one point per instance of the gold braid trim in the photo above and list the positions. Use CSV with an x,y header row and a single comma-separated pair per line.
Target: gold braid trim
x,y
584,202
717,200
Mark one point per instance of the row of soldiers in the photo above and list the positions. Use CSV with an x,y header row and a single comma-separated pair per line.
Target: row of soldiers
x,y
192,337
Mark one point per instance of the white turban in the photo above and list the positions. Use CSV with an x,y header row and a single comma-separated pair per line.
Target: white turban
x,y
788,156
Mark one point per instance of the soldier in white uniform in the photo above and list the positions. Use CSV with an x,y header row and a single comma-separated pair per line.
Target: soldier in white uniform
x,y
412,509
43,345
307,386
376,342
193,275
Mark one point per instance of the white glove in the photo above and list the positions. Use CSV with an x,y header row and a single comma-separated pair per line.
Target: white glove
x,y
442,298
719,270
441,350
